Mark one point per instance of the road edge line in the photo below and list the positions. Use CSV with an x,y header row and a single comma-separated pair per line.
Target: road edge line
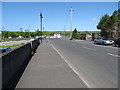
x,y
71,66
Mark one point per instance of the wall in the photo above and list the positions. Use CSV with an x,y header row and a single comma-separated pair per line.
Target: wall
x,y
35,44
15,62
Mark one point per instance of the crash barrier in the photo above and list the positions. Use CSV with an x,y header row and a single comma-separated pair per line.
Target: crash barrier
x,y
15,62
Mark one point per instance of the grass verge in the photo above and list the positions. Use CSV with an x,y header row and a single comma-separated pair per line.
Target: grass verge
x,y
6,40
15,45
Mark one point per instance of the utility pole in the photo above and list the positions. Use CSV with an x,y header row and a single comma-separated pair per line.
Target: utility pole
x,y
71,22
29,31
41,25
64,31
45,31
3,31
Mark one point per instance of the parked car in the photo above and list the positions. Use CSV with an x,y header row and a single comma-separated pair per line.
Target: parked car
x,y
102,40
117,42
4,49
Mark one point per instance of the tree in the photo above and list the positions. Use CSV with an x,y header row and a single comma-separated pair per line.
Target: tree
x,y
32,34
102,27
5,34
102,21
26,33
109,23
74,34
38,32
13,34
21,29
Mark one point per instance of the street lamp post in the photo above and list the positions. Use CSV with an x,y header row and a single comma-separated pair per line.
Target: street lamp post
x,y
71,22
43,31
3,35
41,25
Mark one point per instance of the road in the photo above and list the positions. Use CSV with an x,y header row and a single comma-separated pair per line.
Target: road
x,y
47,69
10,43
96,65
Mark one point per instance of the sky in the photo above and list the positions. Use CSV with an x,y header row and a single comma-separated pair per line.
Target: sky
x,y
56,15
60,0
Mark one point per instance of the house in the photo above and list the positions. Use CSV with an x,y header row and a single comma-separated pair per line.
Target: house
x,y
57,35
20,37
88,37
116,32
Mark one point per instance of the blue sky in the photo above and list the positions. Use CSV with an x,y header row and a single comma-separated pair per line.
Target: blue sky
x,y
56,15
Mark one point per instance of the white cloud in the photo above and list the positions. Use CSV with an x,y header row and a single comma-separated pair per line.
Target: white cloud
x,y
95,19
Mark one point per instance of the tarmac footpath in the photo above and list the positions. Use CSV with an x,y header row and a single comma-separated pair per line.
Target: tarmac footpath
x,y
47,69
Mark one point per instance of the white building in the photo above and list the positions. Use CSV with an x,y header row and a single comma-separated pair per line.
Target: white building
x,y
20,37
57,35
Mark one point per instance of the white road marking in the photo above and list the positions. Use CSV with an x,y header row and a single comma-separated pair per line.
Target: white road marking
x,y
106,46
113,55
71,66
97,45
88,48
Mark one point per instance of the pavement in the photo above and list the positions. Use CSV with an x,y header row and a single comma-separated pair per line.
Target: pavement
x,y
96,65
48,69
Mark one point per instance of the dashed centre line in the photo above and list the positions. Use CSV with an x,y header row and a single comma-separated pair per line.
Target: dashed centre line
x,y
113,55
88,48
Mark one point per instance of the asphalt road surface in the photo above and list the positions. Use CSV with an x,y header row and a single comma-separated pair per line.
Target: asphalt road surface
x,y
47,69
10,43
96,65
